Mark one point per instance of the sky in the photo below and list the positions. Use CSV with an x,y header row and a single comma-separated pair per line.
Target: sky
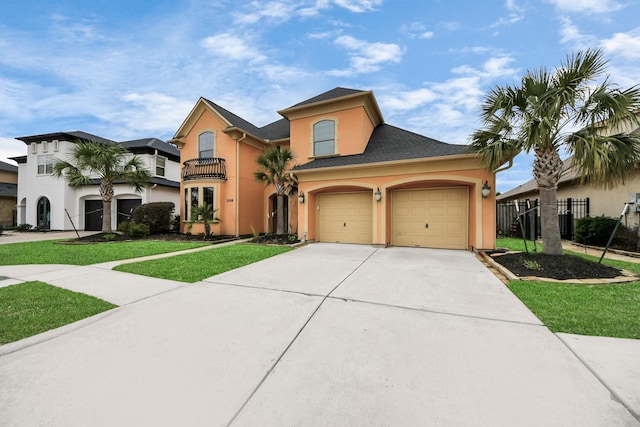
x,y
134,69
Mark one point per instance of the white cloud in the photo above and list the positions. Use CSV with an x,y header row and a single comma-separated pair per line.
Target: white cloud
x,y
515,15
626,44
367,57
587,6
284,10
416,30
407,100
10,147
231,46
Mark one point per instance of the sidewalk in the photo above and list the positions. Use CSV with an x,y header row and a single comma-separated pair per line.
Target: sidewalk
x,y
571,246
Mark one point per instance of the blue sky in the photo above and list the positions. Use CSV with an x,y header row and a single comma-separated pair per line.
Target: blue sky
x,y
134,69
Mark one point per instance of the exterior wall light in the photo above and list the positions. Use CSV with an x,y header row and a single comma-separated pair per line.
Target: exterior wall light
x,y
486,190
378,195
301,197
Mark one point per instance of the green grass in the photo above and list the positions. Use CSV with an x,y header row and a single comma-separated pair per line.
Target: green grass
x,y
517,244
30,308
48,252
599,310
197,266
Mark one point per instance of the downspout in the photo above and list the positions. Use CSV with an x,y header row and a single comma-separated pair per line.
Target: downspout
x,y
244,135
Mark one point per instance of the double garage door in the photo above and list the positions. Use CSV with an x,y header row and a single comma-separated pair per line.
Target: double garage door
x,y
433,218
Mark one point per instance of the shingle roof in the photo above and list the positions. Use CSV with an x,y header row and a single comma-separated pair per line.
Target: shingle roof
x,y
7,167
276,130
150,145
389,143
568,174
337,92
235,120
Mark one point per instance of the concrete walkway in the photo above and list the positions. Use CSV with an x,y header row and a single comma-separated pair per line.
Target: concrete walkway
x,y
323,335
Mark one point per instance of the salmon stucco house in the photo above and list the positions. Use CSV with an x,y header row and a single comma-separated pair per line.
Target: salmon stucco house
x,y
360,179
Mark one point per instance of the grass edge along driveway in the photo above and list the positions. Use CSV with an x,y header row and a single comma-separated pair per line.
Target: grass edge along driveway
x,y
609,310
51,252
196,266
30,308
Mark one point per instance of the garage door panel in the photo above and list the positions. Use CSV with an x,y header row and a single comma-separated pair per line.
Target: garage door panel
x,y
444,210
345,218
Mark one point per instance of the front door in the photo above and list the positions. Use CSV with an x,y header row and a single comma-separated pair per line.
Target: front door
x,y
44,213
93,215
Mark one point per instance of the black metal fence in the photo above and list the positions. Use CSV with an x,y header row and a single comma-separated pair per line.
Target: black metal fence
x,y
507,225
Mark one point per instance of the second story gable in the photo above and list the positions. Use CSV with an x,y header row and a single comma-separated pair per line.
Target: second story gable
x,y
339,122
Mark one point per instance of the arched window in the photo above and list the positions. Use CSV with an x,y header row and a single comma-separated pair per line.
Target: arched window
x,y
324,134
205,145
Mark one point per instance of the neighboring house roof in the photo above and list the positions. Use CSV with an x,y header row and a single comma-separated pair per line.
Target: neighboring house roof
x,y
19,159
72,136
389,143
8,190
150,145
7,167
568,174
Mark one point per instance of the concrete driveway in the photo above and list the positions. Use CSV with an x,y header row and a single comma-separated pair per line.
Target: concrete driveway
x,y
326,335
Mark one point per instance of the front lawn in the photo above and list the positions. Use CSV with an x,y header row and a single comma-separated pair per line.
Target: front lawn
x,y
196,266
599,310
30,308
48,252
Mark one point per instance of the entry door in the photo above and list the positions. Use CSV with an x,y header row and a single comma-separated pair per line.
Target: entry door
x,y
93,215
345,218
431,218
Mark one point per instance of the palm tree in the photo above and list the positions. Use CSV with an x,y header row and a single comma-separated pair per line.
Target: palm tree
x,y
273,169
204,213
542,115
110,162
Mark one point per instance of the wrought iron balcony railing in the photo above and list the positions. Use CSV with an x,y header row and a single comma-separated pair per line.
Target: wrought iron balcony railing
x,y
204,167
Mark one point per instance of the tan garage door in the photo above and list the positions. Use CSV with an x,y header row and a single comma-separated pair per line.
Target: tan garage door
x,y
433,218
345,218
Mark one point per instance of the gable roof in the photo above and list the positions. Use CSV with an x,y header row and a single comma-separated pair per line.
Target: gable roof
x,y
389,143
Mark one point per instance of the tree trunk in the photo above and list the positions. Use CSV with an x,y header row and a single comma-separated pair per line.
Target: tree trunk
x,y
106,216
550,226
547,168
280,215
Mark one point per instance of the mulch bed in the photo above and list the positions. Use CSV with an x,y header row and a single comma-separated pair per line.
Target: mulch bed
x,y
173,237
560,267
274,239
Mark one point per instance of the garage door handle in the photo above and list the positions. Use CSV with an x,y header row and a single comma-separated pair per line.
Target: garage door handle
x,y
426,226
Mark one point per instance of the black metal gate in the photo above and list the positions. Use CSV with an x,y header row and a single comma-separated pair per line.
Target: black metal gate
x,y
569,210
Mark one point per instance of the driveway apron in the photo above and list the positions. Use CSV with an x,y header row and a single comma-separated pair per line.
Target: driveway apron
x,y
328,334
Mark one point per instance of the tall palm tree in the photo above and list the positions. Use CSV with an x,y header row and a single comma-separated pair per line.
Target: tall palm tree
x,y
568,109
273,169
109,162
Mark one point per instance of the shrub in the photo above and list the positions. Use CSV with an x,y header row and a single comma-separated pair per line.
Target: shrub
x,y
594,230
156,216
24,227
138,230
627,238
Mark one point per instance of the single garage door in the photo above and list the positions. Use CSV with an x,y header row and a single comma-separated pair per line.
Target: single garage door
x,y
430,218
345,218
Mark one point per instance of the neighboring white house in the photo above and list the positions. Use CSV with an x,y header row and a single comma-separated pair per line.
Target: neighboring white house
x,y
48,202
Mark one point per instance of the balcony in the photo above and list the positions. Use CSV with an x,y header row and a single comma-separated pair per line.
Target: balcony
x,y
205,167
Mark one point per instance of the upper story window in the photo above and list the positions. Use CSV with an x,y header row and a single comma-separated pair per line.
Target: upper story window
x,y
160,165
205,144
45,164
324,138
